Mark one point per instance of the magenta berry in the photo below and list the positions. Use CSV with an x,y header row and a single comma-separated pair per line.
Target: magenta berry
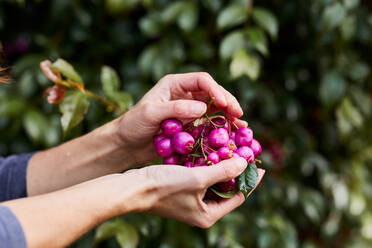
x,y
227,186
183,142
172,159
225,153
256,147
171,126
235,155
210,195
164,147
159,137
232,135
246,152
231,145
218,137
213,157
196,131
245,132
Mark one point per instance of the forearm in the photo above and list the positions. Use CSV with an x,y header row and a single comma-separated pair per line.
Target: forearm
x,y
90,156
74,210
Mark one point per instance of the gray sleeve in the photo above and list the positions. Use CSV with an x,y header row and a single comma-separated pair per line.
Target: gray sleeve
x,y
11,232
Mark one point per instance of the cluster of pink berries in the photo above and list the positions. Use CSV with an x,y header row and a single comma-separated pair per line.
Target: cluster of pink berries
x,y
206,142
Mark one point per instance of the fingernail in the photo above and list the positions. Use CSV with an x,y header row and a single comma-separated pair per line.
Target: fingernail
x,y
241,163
198,108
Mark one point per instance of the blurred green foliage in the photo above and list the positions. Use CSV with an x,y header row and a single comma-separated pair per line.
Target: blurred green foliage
x,y
300,69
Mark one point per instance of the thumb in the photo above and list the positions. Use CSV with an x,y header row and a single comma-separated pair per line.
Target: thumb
x,y
182,109
223,171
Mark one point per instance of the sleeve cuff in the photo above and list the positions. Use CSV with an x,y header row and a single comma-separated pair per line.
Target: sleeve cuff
x,y
11,232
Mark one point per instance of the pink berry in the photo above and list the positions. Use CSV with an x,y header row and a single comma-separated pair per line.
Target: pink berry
x,y
225,153
235,155
213,157
159,137
256,147
164,147
171,126
227,186
172,159
218,137
246,152
183,142
232,135
244,136
206,146
231,145
196,131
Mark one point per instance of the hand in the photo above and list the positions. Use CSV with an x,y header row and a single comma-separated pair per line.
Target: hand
x,y
182,96
178,191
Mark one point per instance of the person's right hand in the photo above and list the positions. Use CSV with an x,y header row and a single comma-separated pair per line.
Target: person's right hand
x,y
178,191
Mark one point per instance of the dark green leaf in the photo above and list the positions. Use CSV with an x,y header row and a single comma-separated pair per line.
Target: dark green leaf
x,y
225,195
125,233
36,126
232,15
73,108
258,40
248,179
172,11
66,69
266,20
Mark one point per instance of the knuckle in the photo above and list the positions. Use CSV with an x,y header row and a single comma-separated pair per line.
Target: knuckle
x,y
205,223
229,171
147,110
198,180
167,77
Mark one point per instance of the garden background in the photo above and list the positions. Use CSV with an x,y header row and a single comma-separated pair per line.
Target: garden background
x,y
300,69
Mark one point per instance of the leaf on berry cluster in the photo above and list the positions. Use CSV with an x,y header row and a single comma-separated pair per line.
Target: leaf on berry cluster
x,y
224,194
66,69
248,179
73,108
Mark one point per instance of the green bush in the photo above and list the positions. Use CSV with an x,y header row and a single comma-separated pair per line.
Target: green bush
x,y
300,69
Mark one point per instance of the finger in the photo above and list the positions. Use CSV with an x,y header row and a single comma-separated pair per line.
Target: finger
x,y
219,209
221,172
233,107
182,109
240,123
201,81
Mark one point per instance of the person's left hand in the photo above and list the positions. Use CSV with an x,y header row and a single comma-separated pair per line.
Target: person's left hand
x,y
182,96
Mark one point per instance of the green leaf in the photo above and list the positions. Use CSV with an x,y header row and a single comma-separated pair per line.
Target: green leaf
x,y
258,40
225,195
244,63
66,69
348,28
125,233
231,43
266,20
172,11
11,107
118,6
362,100
110,80
151,25
212,5
123,100
232,15
73,108
36,126
332,87
248,179
147,59
333,16
189,17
